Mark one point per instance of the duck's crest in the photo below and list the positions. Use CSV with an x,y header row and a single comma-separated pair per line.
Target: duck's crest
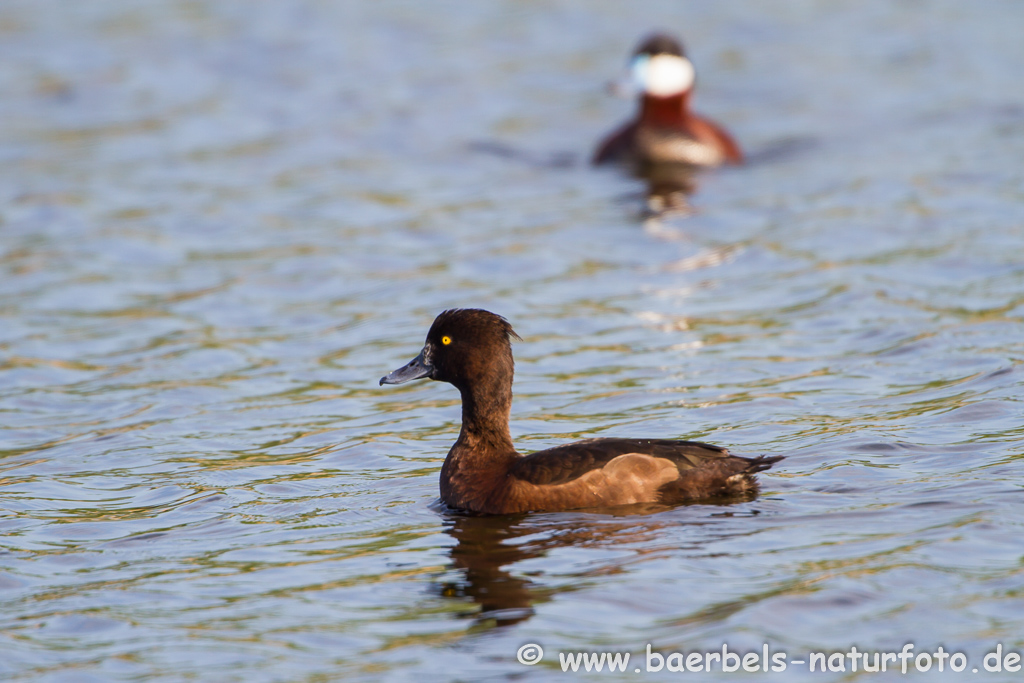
x,y
475,319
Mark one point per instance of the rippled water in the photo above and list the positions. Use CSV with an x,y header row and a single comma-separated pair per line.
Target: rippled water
x,y
222,222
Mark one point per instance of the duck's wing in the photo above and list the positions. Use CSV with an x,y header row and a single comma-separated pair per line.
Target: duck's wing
x,y
616,146
563,464
608,472
709,130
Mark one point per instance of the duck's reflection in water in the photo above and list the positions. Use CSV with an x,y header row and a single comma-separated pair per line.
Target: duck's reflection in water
x,y
484,547
488,546
670,184
669,187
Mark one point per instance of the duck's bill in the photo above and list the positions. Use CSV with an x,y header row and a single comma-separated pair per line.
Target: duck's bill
x,y
625,88
417,368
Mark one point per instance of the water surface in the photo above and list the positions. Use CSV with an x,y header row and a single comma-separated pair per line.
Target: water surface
x,y
221,223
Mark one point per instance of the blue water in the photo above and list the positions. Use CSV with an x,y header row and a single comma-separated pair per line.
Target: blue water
x,y
221,223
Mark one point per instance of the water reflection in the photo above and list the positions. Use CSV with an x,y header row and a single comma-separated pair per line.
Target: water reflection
x,y
487,547
482,552
668,186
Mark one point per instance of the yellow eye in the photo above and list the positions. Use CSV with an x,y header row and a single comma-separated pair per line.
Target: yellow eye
x,y
446,340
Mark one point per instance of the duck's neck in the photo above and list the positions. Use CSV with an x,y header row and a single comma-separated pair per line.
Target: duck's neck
x,y
477,465
486,407
665,111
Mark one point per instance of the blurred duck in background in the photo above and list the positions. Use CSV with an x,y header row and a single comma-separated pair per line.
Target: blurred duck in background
x,y
666,142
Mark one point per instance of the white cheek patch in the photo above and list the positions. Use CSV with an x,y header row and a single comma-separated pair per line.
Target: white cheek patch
x,y
665,75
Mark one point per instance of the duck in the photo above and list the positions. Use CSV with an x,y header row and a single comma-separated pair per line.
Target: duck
x,y
483,472
665,130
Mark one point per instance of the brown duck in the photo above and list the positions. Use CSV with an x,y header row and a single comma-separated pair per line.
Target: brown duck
x,y
471,349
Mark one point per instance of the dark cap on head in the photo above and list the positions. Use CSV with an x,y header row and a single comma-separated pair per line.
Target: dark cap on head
x,y
464,346
660,44
474,323
471,348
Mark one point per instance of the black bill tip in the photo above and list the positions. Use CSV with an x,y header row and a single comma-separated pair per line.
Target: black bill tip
x,y
417,368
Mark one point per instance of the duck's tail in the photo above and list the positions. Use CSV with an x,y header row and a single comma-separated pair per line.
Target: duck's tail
x,y
762,463
744,482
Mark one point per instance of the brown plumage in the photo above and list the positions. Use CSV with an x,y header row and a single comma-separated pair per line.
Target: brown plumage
x,y
471,349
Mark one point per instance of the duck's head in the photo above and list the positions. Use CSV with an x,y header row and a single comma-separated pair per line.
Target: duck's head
x,y
464,347
659,68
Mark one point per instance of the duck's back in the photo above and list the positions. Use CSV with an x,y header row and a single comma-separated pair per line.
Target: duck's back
x,y
605,472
